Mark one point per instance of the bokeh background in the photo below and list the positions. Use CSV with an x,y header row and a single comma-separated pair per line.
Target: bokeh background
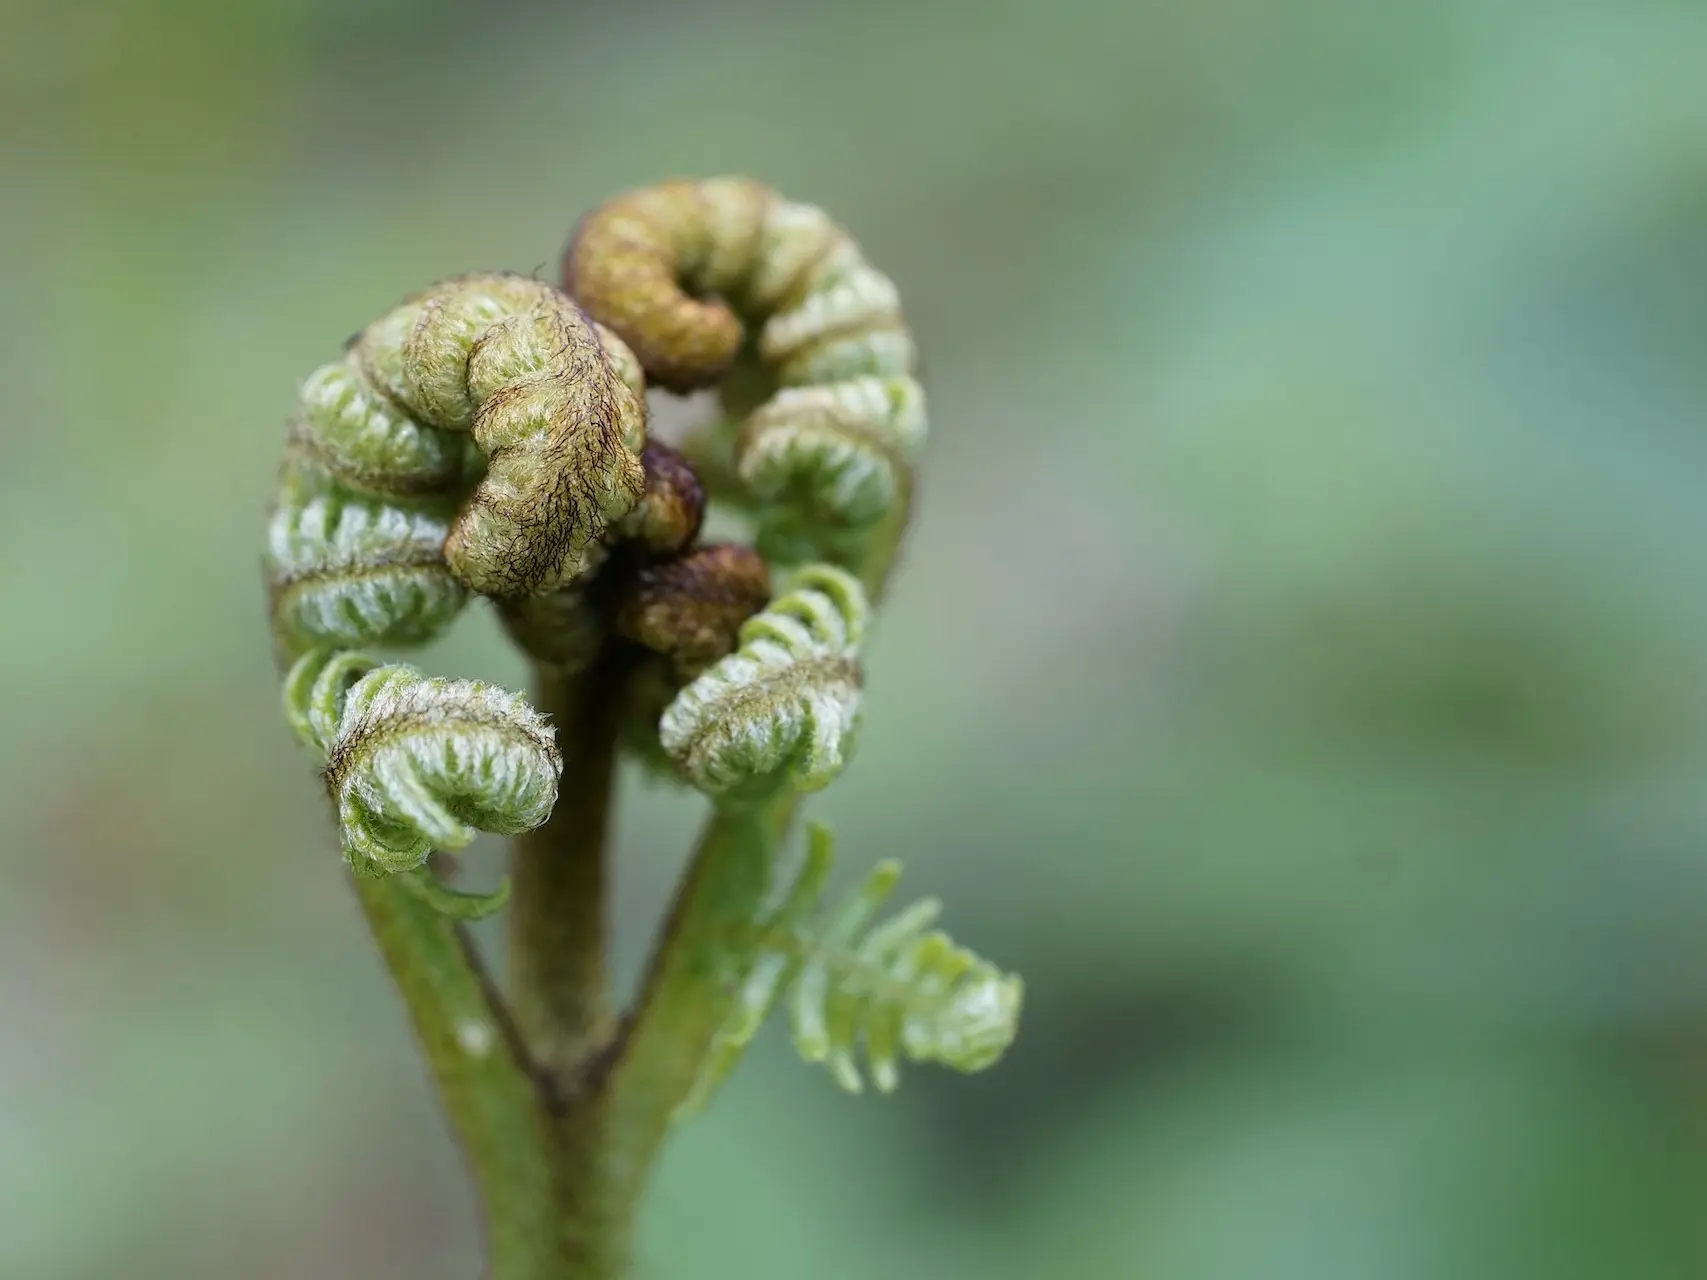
x,y
1298,671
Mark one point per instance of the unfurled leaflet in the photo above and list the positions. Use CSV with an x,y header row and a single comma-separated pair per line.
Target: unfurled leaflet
x,y
897,990
415,763
782,709
893,991
679,269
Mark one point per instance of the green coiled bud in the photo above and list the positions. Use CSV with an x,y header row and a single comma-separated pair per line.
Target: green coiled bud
x,y
677,270
420,763
345,571
783,708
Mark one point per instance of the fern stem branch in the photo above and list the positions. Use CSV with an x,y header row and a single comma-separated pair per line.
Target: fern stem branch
x,y
693,979
559,939
620,1093
482,1073
558,931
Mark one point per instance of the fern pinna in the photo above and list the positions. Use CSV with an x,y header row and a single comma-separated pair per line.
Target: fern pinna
x,y
897,990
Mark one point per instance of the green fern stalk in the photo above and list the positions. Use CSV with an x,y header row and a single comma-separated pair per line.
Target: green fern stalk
x,y
487,437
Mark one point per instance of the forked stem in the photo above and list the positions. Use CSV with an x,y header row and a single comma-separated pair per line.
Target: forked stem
x,y
693,979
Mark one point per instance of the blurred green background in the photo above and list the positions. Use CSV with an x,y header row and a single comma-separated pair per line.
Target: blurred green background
x,y
1298,672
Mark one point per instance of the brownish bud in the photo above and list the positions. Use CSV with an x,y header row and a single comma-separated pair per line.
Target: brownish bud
x,y
669,513
691,609
653,264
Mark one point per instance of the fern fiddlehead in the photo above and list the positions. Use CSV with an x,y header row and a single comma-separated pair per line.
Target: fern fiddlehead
x,y
679,269
417,764
487,437
781,711
560,424
515,364
385,522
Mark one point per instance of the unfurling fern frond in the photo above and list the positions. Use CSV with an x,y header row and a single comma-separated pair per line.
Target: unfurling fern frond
x,y
488,437
549,402
782,709
345,570
676,269
365,441
899,990
388,516
416,764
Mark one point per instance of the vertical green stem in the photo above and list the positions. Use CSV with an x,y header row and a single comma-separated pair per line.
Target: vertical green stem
x,y
692,983
558,930
559,938
482,1075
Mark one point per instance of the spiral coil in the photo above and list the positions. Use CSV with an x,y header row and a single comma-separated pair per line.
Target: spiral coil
x,y
676,268
783,708
482,436
417,764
